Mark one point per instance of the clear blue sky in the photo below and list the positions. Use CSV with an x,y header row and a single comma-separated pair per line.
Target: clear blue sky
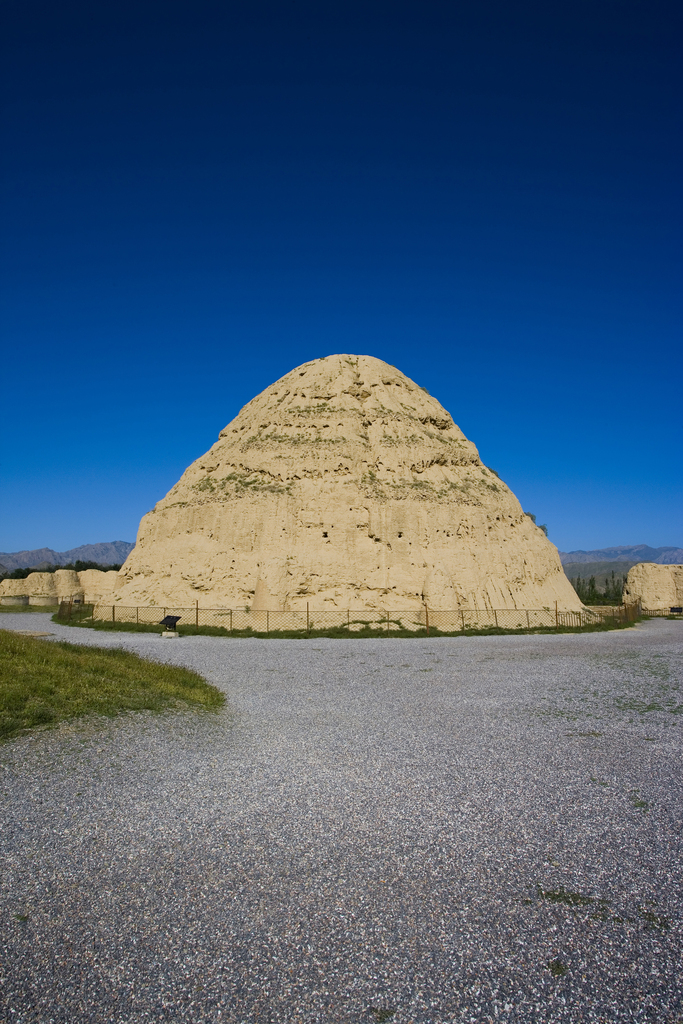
x,y
200,196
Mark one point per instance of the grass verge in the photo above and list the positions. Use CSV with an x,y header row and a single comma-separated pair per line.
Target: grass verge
x,y
43,683
24,608
336,633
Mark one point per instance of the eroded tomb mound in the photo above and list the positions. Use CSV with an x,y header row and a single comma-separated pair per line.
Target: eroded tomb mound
x,y
343,485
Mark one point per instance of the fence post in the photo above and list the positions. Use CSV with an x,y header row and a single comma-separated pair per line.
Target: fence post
x,y
427,618
231,621
113,613
137,614
267,621
462,616
308,620
557,618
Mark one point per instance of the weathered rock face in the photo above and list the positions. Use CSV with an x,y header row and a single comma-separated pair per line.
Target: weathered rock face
x,y
13,592
52,587
655,586
67,583
42,589
97,585
342,485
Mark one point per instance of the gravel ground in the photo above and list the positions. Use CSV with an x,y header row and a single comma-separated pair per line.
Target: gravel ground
x,y
435,830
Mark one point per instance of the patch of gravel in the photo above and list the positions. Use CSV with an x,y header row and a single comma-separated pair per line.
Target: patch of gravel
x,y
430,830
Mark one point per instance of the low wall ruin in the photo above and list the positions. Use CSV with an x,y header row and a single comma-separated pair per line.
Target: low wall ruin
x,y
49,588
656,587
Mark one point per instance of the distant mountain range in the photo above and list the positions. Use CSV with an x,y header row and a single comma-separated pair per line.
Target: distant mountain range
x,y
635,553
115,551
110,552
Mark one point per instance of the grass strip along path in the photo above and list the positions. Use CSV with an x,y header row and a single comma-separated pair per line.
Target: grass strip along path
x,y
335,632
44,682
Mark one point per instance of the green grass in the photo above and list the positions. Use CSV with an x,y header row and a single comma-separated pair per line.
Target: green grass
x,y
653,920
44,683
23,608
334,633
601,911
562,895
107,626
637,802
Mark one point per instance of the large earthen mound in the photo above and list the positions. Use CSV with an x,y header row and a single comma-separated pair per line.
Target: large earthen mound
x,y
343,485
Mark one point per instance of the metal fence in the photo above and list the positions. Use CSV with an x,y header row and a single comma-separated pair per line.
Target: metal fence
x,y
241,620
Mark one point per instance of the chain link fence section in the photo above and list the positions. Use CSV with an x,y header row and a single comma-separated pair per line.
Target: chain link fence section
x,y
230,621
240,620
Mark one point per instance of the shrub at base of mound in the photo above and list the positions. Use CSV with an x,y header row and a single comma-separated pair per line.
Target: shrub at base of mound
x,y
43,683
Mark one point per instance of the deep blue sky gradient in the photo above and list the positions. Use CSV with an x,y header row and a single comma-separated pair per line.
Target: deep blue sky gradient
x,y
200,196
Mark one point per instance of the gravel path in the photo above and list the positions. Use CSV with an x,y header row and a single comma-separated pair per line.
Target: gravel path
x,y
470,829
